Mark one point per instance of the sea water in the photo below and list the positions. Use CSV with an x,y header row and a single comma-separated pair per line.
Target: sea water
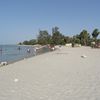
x,y
12,53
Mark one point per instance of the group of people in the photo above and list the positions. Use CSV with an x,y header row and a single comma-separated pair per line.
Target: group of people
x,y
28,50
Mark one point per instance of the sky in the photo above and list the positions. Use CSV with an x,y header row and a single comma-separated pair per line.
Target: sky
x,y
22,19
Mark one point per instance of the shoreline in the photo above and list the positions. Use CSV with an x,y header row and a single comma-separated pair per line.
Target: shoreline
x,y
41,53
37,51
58,75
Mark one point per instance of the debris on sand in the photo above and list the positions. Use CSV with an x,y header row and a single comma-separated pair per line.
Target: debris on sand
x,y
16,80
83,56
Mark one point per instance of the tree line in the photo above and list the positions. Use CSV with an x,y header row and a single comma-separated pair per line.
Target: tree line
x,y
57,38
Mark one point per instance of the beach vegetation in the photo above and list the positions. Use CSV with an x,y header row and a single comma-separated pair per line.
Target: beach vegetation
x,y
44,37
68,39
84,37
33,42
95,34
76,40
30,42
57,38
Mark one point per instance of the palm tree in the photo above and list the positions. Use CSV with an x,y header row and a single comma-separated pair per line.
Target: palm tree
x,y
95,34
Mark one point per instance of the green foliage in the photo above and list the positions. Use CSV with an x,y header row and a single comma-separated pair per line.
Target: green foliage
x,y
30,42
84,37
76,40
68,39
95,34
20,43
57,37
33,42
55,29
44,38
98,40
26,42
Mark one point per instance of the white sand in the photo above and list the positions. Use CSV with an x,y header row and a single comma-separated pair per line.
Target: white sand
x,y
58,75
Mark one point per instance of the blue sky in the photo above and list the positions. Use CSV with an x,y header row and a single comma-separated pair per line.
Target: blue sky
x,y
22,19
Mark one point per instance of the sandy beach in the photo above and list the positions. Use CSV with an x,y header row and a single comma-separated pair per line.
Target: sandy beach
x,y
64,74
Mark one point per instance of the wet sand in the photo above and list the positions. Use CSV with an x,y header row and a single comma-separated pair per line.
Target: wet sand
x,y
65,74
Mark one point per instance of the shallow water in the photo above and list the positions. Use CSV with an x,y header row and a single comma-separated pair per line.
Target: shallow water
x,y
11,53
